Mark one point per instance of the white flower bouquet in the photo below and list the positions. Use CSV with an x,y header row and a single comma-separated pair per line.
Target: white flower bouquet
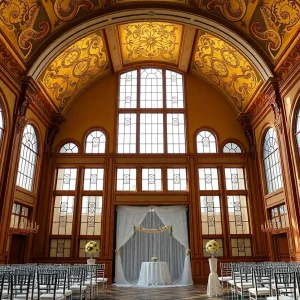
x,y
212,247
154,259
92,247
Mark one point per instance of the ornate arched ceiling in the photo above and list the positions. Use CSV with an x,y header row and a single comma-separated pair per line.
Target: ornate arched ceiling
x,y
86,60
271,25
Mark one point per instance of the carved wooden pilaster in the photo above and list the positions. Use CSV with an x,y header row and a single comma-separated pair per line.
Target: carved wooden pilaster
x,y
245,121
53,129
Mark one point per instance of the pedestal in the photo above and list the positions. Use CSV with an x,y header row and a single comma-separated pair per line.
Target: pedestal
x,y
213,286
91,261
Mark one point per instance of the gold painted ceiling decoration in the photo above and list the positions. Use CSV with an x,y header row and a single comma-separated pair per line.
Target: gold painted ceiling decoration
x,y
76,67
272,24
176,1
150,41
220,63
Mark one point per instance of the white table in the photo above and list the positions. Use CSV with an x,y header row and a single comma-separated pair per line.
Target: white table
x,y
154,273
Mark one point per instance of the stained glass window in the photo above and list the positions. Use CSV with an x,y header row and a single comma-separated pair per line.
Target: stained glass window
x,y
206,142
60,248
95,142
208,179
91,213
126,180
232,148
69,148
271,159
93,179
19,216
28,159
151,112
241,247
280,218
66,179
235,179
211,215
151,180
63,215
177,180
1,122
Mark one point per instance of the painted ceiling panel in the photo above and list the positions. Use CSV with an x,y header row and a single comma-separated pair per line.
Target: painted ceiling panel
x,y
176,1
76,67
150,41
272,24
228,70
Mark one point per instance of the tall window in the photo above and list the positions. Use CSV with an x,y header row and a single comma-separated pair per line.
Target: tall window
x,y
271,159
1,123
206,142
28,159
95,142
151,112
89,211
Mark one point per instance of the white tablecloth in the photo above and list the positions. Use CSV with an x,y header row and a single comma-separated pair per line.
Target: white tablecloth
x,y
154,273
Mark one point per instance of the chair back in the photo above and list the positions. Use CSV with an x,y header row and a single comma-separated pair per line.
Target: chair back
x,y
285,284
21,284
226,269
47,283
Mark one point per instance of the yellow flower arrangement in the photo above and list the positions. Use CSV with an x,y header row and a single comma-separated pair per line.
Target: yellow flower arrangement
x,y
212,246
92,247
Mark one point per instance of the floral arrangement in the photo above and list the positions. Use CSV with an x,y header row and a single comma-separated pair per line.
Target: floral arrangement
x,y
212,246
154,259
92,247
158,230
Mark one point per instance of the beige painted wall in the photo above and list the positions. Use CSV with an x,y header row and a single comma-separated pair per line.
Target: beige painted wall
x,y
97,107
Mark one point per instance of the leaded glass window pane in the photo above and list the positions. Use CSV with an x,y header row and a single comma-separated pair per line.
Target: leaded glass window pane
x,y
235,179
1,122
211,215
95,142
63,215
128,90
220,243
28,159
93,179
175,133
126,180
91,213
174,90
151,88
232,148
82,253
238,215
66,179
271,158
206,142
177,180
208,179
127,133
151,133
69,148
151,180
60,248
241,247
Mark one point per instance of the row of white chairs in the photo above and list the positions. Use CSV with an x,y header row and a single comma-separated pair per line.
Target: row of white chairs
x,y
265,280
52,282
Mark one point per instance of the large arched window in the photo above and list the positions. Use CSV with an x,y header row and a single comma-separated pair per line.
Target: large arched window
x,y
1,123
298,130
68,148
271,159
95,142
28,158
206,142
151,112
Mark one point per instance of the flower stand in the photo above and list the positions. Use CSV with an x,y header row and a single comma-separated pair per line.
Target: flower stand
x,y
91,261
213,286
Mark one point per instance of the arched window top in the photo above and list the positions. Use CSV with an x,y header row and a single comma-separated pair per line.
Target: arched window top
x,y
1,122
28,158
95,142
270,142
206,142
232,148
271,157
68,148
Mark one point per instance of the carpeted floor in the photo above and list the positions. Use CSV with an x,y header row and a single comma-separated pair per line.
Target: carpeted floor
x,y
175,293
